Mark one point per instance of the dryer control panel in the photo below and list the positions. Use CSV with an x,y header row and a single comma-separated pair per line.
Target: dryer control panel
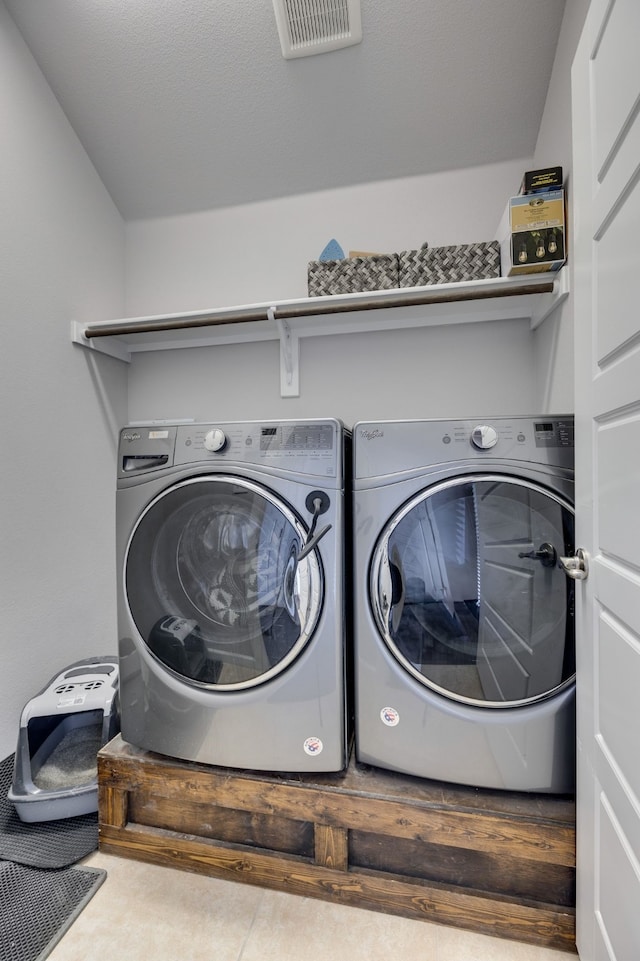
x,y
554,433
484,437
393,447
546,433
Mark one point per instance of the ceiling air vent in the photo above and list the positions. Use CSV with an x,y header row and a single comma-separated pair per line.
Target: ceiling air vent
x,y
317,26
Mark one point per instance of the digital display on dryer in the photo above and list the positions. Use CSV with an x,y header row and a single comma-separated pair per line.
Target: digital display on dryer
x,y
557,433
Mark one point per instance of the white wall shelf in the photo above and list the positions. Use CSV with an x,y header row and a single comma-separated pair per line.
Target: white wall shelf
x,y
532,297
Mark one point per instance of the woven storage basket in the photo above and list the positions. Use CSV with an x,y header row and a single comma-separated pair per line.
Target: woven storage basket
x,y
449,265
326,277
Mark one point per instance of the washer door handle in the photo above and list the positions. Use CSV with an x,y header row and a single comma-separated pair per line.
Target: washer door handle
x,y
577,566
312,542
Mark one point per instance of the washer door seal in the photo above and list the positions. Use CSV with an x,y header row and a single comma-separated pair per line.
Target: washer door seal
x,y
215,585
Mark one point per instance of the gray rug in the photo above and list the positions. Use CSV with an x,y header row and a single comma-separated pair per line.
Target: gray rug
x,y
37,907
48,844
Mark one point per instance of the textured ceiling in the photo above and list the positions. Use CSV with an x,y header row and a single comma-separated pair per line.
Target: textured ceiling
x,y
186,105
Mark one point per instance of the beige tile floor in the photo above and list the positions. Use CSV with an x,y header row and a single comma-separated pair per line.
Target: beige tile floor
x,y
160,914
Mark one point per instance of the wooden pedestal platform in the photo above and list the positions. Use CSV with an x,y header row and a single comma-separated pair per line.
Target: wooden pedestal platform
x,y
499,863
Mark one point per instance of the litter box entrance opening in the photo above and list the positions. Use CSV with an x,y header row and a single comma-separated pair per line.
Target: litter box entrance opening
x,y
63,749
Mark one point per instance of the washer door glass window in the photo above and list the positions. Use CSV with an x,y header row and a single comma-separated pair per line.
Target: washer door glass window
x,y
468,593
215,586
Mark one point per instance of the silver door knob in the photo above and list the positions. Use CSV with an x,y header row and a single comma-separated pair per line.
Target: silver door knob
x,y
576,567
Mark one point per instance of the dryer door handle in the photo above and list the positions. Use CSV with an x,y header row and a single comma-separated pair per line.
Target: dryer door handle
x,y
576,567
546,554
388,591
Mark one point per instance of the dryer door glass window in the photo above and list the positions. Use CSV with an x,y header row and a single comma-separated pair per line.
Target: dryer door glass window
x,y
215,585
468,593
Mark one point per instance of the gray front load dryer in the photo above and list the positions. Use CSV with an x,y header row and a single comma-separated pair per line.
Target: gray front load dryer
x,y
464,617
230,543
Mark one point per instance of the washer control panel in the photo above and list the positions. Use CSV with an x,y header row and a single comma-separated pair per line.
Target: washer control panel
x,y
305,447
215,440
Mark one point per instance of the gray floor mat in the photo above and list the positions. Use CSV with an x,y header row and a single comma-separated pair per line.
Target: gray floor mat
x,y
47,844
38,906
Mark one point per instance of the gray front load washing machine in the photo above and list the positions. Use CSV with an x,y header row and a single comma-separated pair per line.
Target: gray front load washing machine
x,y
464,616
230,545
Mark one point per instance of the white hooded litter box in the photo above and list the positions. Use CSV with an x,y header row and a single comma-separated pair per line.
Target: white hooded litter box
x,y
61,731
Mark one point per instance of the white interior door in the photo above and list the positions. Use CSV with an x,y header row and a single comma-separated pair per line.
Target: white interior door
x,y
606,212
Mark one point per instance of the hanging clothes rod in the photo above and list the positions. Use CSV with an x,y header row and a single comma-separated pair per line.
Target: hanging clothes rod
x,y
315,306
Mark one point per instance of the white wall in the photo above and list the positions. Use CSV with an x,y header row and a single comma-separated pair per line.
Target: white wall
x,y
61,257
258,252
553,343
434,372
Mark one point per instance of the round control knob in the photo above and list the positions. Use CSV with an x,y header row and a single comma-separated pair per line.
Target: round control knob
x,y
215,440
484,437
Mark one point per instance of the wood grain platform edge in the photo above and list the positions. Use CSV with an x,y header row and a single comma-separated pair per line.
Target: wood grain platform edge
x,y
536,840
542,925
